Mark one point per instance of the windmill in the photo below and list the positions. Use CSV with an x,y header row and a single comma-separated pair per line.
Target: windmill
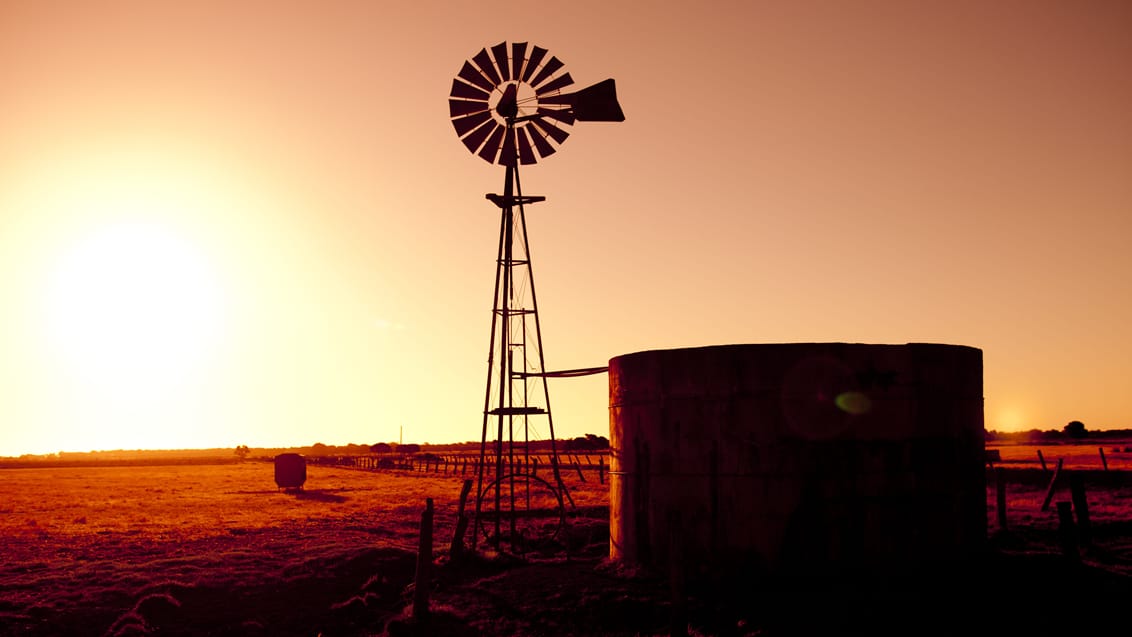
x,y
509,108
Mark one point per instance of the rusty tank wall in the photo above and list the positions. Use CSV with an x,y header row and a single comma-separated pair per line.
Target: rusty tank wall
x,y
805,458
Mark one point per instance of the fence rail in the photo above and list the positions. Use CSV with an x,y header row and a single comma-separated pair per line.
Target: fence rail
x,y
468,463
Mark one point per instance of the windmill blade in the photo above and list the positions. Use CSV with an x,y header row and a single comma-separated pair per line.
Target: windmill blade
x,y
467,91
464,125
475,139
469,74
458,108
526,155
507,154
562,81
518,55
537,54
483,63
543,147
499,51
564,116
552,131
491,147
551,67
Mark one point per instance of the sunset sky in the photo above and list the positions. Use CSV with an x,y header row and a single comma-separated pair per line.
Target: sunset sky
x,y
228,223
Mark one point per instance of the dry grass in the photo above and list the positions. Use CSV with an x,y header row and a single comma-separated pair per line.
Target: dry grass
x,y
1078,455
219,550
84,546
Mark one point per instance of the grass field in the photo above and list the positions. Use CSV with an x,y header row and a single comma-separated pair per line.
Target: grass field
x,y
220,550
1117,455
212,549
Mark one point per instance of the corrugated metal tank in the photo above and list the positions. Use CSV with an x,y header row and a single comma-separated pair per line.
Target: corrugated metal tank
x,y
797,458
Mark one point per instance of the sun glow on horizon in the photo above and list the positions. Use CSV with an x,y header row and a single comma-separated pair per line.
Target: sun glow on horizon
x,y
1009,417
133,300
133,315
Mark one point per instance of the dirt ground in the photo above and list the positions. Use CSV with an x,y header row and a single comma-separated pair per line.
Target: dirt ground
x,y
219,550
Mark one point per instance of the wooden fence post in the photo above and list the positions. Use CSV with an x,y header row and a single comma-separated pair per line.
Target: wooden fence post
x,y
601,469
457,549
1104,462
1000,496
1065,531
422,582
578,466
1052,483
1080,506
1042,459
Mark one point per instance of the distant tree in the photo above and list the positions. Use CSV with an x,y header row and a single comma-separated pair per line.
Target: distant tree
x,y
597,442
1075,429
590,442
381,447
408,448
242,452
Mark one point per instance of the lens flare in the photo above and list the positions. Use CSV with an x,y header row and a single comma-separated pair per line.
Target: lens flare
x,y
853,402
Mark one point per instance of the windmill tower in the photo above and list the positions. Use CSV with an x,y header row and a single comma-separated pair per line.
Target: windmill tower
x,y
508,107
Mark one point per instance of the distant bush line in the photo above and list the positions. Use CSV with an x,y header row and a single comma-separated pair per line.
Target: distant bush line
x,y
1057,435
57,463
158,457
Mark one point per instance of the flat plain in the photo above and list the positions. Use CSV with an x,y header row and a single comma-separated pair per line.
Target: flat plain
x,y
221,550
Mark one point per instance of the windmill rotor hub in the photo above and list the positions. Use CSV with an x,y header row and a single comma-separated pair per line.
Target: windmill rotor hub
x,y
507,105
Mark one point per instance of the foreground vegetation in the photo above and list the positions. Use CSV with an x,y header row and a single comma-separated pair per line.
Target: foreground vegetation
x,y
219,549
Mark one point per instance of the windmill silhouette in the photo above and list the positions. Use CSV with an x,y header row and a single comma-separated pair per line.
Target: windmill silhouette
x,y
509,108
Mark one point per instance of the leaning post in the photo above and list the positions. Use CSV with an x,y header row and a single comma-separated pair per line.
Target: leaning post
x,y
1080,507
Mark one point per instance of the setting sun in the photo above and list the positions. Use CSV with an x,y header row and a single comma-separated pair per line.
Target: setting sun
x,y
1008,417
133,311
133,307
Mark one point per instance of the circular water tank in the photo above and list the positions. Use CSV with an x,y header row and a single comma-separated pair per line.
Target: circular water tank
x,y
797,459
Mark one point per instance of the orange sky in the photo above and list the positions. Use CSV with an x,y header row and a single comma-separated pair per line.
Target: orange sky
x,y
876,172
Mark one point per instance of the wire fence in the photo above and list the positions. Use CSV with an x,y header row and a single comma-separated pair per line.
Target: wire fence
x,y
587,466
